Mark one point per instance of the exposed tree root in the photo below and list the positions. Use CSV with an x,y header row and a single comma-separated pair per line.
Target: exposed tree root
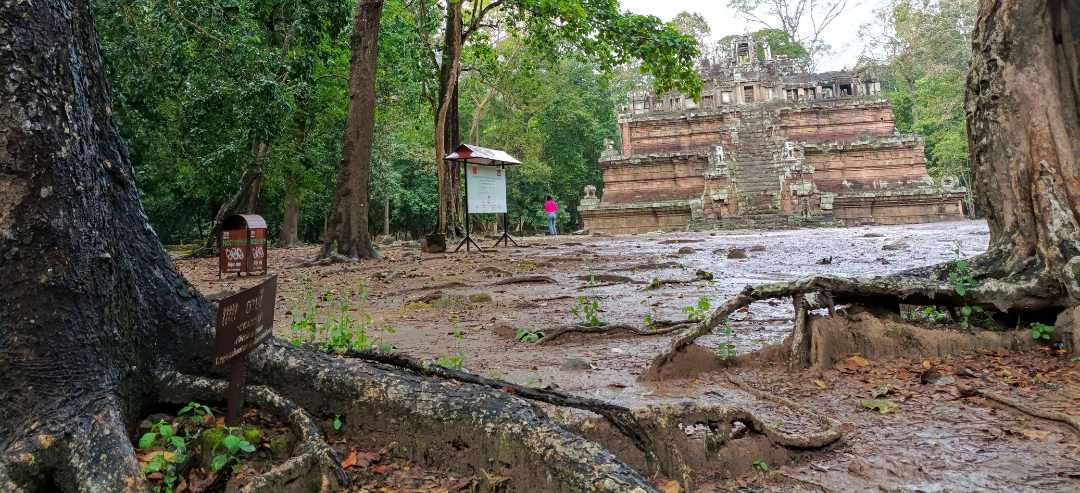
x,y
483,429
524,280
659,283
649,266
318,261
651,430
660,327
880,291
830,435
620,417
1024,407
314,451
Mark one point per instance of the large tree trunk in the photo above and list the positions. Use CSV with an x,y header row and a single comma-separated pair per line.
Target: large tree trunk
x,y
347,228
97,326
1023,114
446,121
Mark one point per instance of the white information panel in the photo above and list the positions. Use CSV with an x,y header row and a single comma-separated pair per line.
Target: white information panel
x,y
486,189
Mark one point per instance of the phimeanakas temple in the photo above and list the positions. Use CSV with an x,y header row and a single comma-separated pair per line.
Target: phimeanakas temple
x,y
769,145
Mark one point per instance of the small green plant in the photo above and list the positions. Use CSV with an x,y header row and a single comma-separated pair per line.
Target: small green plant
x,y
761,465
650,318
727,349
930,314
528,336
1076,359
454,361
1041,332
337,422
587,310
962,281
166,461
199,411
303,325
230,448
697,312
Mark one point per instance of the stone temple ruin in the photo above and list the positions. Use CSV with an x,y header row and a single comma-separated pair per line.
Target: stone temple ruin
x,y
770,145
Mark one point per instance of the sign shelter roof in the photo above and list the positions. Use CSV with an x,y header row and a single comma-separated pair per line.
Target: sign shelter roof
x,y
468,153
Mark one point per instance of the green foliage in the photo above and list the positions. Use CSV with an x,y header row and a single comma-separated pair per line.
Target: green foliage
x,y
922,50
528,336
779,42
342,331
761,465
454,361
930,313
961,279
1041,332
337,422
199,411
173,453
587,310
197,85
231,449
727,349
698,312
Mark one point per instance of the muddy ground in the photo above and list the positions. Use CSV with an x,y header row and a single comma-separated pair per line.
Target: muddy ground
x,y
461,306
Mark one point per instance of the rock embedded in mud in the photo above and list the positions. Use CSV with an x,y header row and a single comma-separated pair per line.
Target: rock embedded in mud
x,y
737,253
478,298
757,248
575,364
896,245
686,250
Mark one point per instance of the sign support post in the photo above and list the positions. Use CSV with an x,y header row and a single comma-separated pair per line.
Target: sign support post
x,y
467,240
506,239
244,321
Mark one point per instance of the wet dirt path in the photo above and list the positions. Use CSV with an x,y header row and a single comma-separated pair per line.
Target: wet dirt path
x,y
459,305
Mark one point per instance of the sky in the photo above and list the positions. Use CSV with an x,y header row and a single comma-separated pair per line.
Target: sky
x,y
842,34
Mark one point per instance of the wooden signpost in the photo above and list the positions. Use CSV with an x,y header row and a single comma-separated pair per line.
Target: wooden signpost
x,y
244,321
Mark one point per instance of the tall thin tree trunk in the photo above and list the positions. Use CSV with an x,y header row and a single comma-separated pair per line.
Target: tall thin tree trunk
x,y
446,124
386,216
290,222
478,113
347,227
244,201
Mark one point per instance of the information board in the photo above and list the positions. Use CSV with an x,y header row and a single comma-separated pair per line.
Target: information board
x,y
244,321
486,189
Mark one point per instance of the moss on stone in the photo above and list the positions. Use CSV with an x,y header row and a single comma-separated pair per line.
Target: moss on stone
x,y
279,446
251,433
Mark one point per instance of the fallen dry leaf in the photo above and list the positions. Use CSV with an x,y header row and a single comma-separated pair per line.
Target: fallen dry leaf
x,y
821,383
670,486
1035,434
350,460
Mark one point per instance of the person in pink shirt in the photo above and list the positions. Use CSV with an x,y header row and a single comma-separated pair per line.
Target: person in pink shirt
x,y
550,208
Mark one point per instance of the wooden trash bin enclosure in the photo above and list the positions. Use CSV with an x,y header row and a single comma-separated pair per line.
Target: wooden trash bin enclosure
x,y
242,245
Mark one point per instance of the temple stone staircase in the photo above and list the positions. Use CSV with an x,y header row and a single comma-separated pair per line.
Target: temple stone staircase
x,y
755,173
